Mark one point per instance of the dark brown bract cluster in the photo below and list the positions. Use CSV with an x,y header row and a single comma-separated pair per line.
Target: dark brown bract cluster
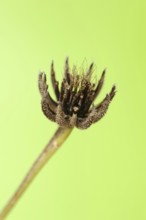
x,y
74,99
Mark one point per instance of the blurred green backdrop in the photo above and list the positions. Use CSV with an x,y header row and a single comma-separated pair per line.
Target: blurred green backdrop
x,y
99,173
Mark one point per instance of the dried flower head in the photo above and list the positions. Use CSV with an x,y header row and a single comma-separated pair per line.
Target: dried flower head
x,y
74,99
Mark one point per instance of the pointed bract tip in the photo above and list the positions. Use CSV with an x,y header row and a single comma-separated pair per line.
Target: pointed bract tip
x,y
113,92
91,65
67,59
104,72
52,64
90,69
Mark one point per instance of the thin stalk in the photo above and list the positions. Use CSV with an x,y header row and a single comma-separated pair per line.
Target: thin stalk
x,y
59,137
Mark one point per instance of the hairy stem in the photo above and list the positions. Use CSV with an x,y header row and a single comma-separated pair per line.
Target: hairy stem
x,y
59,137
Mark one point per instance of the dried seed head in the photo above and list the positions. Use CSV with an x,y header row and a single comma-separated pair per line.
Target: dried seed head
x,y
74,99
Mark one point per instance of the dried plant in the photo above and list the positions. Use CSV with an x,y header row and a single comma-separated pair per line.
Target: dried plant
x,y
74,107
74,100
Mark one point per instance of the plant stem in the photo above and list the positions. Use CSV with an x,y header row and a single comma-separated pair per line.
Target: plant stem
x,y
59,137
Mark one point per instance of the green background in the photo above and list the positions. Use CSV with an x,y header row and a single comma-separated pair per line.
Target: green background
x,y
99,173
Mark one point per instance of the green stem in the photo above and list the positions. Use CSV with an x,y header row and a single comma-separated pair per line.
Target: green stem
x,y
59,137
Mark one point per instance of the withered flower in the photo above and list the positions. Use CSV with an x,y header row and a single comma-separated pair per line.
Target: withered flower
x,y
73,108
74,105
